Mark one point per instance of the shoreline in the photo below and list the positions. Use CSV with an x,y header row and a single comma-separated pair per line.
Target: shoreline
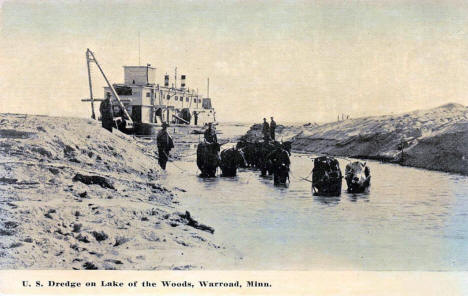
x,y
75,196
79,197
379,159
434,139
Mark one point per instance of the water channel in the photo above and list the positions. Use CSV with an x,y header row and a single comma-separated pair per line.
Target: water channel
x,y
412,219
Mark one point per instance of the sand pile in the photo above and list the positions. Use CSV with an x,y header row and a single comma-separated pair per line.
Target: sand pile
x,y
434,139
76,196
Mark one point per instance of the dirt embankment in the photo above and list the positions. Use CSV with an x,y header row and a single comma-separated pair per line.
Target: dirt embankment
x,y
435,139
75,196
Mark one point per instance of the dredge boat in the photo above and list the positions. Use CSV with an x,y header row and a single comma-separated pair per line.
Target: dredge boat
x,y
140,104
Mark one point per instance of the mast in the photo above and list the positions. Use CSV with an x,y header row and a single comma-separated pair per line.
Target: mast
x,y
139,61
89,53
208,88
93,115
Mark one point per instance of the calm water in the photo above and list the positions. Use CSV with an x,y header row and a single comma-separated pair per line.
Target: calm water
x,y
412,219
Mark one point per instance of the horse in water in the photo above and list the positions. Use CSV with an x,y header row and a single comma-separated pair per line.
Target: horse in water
x,y
264,155
326,176
279,163
357,176
231,160
270,157
208,158
256,153
248,149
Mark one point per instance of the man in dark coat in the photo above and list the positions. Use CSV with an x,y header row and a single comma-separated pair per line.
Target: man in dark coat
x,y
266,130
165,144
107,118
210,134
272,128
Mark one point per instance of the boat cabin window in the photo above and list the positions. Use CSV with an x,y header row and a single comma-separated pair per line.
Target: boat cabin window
x,y
176,98
187,99
123,90
168,97
148,95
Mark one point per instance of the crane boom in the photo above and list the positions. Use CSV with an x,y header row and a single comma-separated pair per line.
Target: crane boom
x,y
90,57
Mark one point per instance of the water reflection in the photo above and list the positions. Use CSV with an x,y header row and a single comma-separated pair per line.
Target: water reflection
x,y
359,196
327,200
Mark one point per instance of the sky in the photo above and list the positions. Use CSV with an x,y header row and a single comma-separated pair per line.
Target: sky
x,y
299,61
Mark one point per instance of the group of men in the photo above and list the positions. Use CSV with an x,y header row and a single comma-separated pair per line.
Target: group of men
x,y
268,130
165,143
163,139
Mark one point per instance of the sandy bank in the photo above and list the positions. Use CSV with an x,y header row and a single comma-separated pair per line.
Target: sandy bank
x,y
76,196
435,139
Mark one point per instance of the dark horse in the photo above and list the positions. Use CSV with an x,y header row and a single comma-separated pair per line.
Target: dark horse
x,y
231,160
326,176
250,152
265,153
357,176
262,155
270,157
276,150
279,162
256,153
208,158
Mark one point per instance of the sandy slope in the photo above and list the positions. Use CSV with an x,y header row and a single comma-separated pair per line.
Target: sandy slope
x,y
435,139
50,219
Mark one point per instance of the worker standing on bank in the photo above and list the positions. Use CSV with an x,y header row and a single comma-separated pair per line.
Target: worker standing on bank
x,y
266,130
165,144
210,134
107,118
272,128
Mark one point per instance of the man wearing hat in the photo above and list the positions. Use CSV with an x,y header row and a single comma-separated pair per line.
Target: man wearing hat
x,y
272,128
210,134
107,117
266,130
165,144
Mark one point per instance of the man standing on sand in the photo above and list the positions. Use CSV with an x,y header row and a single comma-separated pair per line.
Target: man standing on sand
x,y
107,118
165,144
210,134
266,130
272,128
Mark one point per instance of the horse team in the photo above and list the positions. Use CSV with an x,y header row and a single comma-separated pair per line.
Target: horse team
x,y
273,158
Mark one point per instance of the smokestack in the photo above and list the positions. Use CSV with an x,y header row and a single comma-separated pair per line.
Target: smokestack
x,y
182,81
166,80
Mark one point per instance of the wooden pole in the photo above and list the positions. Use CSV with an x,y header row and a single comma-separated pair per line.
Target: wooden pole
x,y
114,93
93,115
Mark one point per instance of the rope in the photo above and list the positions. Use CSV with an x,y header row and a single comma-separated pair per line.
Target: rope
x,y
187,155
171,160
301,178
